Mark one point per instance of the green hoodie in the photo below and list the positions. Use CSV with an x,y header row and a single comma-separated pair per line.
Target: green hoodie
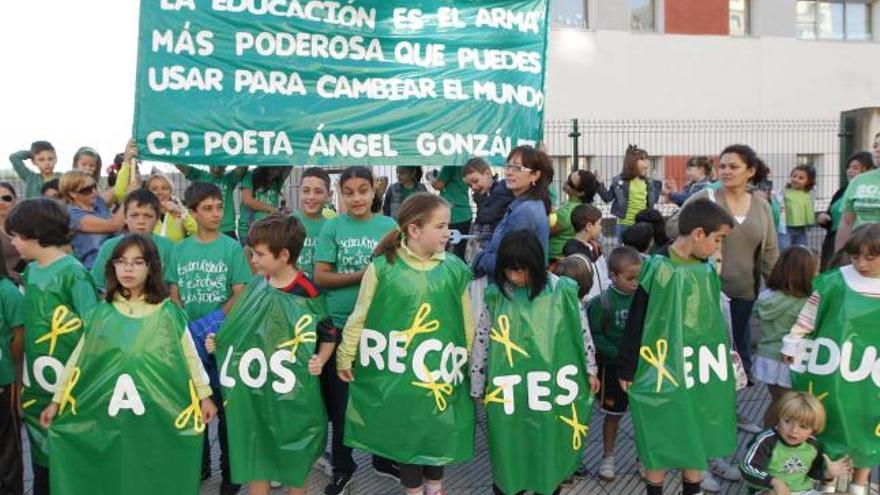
x,y
777,313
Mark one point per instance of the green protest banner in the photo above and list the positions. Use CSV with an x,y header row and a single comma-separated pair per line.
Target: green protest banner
x,y
682,396
377,82
838,364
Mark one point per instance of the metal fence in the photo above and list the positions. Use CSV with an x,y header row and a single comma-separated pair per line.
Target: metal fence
x,y
600,145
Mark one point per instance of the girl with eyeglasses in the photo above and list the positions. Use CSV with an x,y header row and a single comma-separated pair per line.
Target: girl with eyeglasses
x,y
122,394
90,218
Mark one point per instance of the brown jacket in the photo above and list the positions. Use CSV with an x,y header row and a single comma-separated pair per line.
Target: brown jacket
x,y
750,250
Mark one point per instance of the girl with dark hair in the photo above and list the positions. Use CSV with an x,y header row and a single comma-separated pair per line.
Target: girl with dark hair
x,y
134,346
409,182
412,273
260,196
528,174
343,252
799,214
856,164
531,323
842,313
633,190
581,188
11,354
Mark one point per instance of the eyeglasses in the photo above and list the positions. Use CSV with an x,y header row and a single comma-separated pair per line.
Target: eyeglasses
x,y
138,263
517,168
85,191
7,198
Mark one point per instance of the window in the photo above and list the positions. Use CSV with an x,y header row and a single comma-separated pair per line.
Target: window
x,y
642,15
569,13
739,17
837,20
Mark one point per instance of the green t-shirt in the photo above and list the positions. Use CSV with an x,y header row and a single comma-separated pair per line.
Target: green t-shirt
x,y
563,224
798,208
607,313
836,212
205,273
163,244
11,316
638,200
271,196
348,244
306,261
456,192
227,183
862,197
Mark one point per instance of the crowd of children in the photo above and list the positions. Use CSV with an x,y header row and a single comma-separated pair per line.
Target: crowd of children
x,y
123,348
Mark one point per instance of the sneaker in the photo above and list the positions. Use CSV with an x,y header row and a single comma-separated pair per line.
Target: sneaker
x,y
709,483
724,469
229,488
338,484
274,484
386,469
606,469
746,425
325,464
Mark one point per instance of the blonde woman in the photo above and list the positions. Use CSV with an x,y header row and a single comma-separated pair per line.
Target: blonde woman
x,y
90,218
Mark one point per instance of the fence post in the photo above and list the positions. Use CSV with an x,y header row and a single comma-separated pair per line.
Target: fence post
x,y
846,135
574,135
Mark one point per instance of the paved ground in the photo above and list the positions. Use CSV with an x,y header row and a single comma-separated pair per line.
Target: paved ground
x,y
473,478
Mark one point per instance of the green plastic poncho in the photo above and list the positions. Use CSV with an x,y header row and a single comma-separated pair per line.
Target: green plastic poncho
x,y
538,399
54,295
409,400
682,395
130,420
840,366
275,416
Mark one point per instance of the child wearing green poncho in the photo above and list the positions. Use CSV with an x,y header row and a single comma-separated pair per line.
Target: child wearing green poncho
x,y
277,424
675,355
834,336
533,366
133,400
58,291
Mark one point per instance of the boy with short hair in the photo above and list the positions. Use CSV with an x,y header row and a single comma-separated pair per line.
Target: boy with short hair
x,y
50,189
227,182
639,236
675,354
586,220
141,214
206,273
608,313
291,432
42,155
58,291
491,197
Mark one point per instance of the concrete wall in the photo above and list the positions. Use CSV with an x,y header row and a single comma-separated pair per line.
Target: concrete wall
x,y
615,74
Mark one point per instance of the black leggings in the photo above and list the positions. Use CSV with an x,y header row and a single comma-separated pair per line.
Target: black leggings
x,y
11,478
413,475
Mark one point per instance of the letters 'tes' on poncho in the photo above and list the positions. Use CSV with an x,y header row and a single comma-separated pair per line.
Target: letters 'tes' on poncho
x,y
537,399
